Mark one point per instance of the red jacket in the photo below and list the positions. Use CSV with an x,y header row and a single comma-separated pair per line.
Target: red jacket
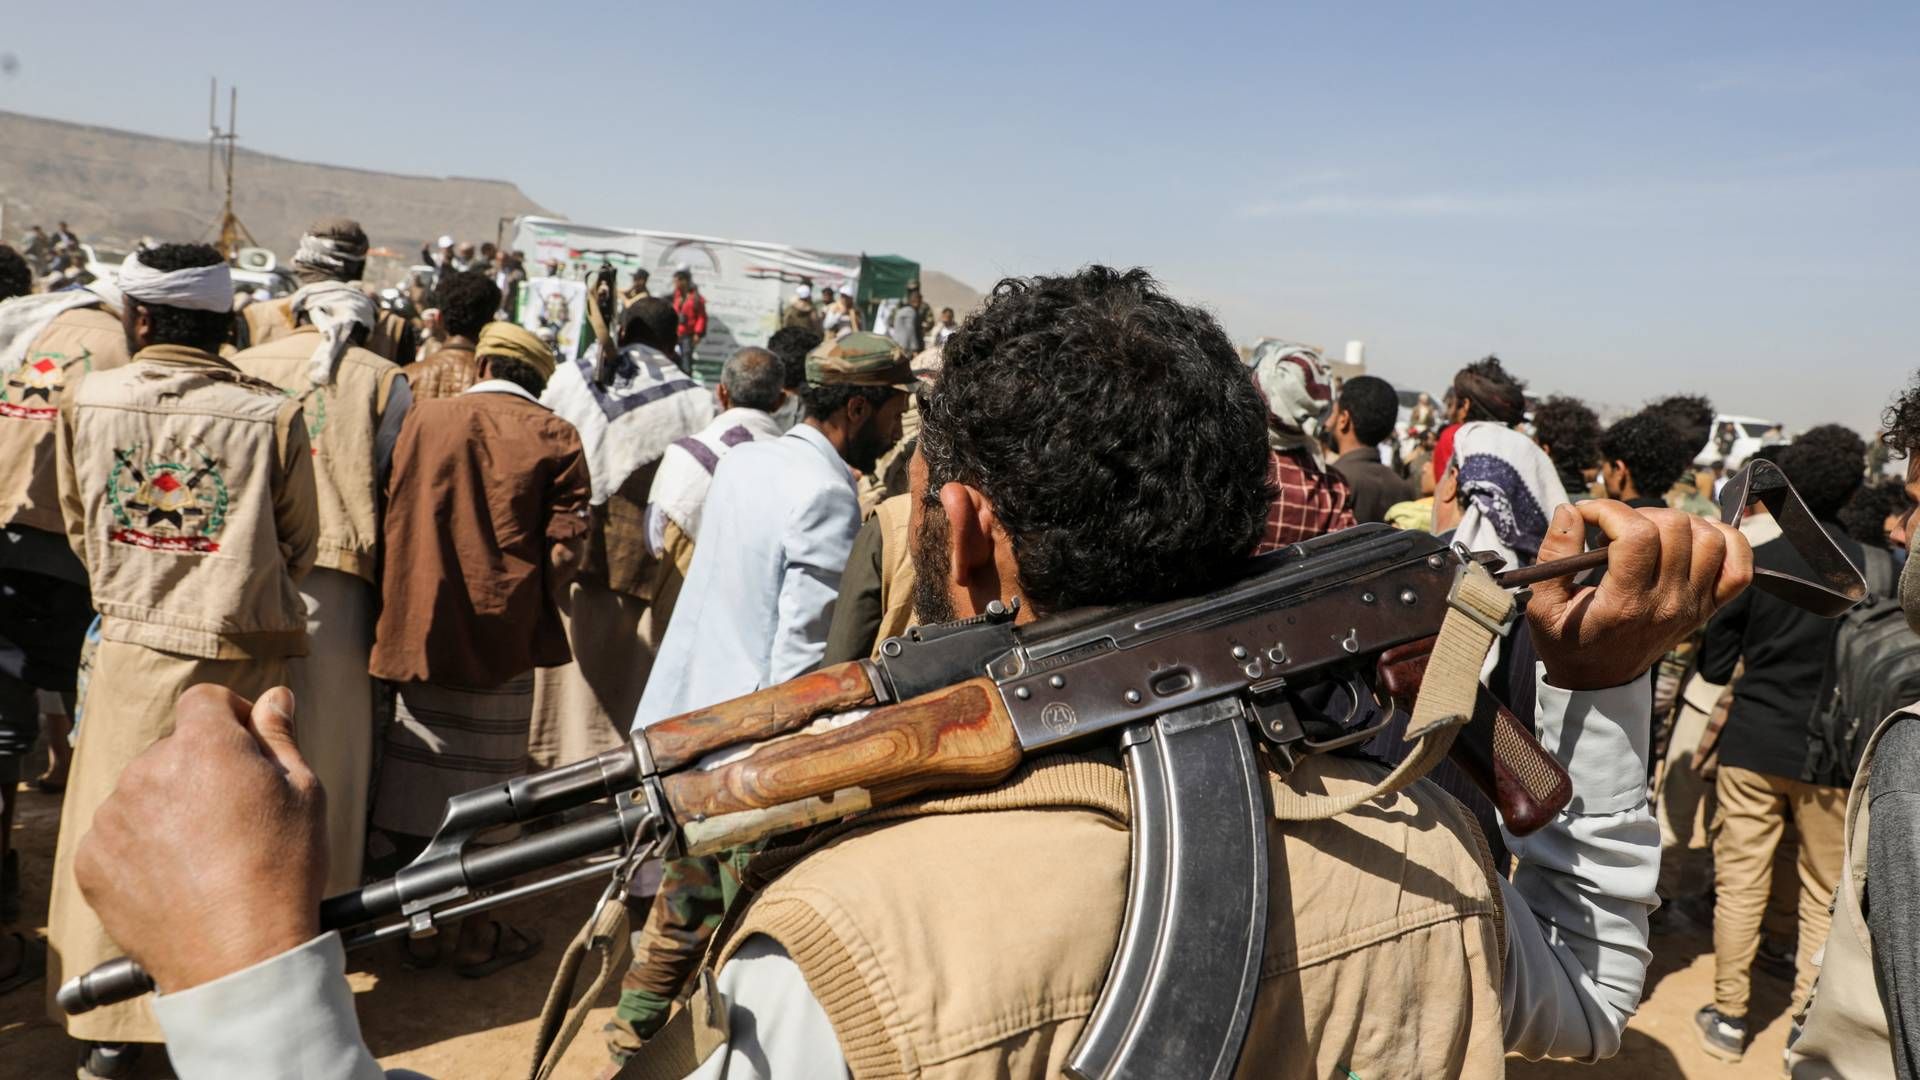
x,y
692,309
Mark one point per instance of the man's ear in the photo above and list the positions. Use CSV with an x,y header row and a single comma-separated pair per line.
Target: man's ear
x,y
969,531
858,409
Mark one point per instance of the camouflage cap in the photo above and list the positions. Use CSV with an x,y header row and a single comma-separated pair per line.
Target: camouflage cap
x,y
860,359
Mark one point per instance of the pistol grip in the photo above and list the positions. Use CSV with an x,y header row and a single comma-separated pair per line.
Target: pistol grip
x,y
1494,749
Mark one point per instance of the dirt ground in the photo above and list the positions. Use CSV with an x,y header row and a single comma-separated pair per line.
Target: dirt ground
x,y
449,1027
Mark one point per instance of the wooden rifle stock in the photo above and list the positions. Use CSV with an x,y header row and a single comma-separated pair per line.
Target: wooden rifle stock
x,y
957,737
1496,751
681,740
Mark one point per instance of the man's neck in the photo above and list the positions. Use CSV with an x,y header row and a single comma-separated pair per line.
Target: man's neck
x,y
1344,444
832,432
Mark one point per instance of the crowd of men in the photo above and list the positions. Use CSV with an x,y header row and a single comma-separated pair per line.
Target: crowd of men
x,y
466,556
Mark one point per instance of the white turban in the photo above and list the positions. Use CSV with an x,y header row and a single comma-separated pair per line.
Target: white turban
x,y
335,307
197,288
328,254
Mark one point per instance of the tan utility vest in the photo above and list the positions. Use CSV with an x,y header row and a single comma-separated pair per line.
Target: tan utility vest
x,y
1845,1030
76,342
896,568
342,420
968,935
273,320
173,464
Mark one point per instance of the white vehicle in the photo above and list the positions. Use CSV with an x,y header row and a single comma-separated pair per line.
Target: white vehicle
x,y
1735,438
253,269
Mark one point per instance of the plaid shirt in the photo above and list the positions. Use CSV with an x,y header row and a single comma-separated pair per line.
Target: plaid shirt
x,y
1308,501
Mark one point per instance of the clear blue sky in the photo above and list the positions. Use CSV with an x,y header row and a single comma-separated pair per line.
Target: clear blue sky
x,y
1623,200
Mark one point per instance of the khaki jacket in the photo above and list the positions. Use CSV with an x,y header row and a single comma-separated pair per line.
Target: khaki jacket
x,y
273,320
343,418
76,342
188,492
968,935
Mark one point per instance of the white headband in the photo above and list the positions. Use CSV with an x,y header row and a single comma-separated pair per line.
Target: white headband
x,y
197,288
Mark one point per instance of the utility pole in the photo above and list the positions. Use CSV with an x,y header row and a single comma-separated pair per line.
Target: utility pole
x,y
233,235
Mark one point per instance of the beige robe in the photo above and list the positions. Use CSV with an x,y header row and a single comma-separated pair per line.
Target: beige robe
x,y
334,703
586,706
127,706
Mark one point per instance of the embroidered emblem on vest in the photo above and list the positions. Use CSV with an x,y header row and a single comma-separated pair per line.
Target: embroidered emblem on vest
x,y
313,406
31,392
164,505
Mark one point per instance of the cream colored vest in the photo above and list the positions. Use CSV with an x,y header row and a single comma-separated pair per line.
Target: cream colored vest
x,y
342,419
1844,1033
896,568
273,320
76,342
173,470
968,935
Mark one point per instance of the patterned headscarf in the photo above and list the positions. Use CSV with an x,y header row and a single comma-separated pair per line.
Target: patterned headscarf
x,y
1508,491
1299,393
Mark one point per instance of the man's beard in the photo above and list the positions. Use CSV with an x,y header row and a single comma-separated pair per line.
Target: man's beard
x,y
866,446
1909,590
931,602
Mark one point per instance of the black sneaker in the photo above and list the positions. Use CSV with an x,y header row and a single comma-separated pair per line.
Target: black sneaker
x,y
108,1061
1721,1036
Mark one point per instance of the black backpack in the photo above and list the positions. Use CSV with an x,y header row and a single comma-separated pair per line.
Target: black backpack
x,y
1874,670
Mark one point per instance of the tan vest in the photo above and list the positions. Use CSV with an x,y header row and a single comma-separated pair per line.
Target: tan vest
x,y
170,472
968,935
76,342
896,568
342,419
273,320
1845,1032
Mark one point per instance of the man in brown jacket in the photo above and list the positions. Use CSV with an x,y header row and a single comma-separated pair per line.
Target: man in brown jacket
x,y
467,301
487,512
332,250
46,343
354,402
187,490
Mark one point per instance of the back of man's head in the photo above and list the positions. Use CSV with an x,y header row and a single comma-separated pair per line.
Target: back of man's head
x,y
203,330
1826,465
333,260
1115,431
1491,392
649,321
1569,432
1372,405
753,379
467,301
1654,451
792,344
16,277
1691,413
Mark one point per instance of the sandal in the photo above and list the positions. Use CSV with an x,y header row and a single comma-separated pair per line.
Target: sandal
x,y
31,966
418,961
526,944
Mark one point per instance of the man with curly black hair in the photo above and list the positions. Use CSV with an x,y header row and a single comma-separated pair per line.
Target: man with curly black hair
x,y
1763,764
1690,413
1570,434
1641,456
16,277
467,301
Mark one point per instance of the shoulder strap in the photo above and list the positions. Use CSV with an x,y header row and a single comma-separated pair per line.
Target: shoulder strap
x,y
1881,579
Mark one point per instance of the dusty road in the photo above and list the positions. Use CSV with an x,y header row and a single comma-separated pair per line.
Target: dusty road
x,y
449,1027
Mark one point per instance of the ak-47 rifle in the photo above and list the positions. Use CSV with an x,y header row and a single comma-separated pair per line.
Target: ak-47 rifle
x,y
1202,695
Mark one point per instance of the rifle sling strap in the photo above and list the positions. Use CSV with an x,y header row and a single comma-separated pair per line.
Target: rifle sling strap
x,y
606,934
1477,611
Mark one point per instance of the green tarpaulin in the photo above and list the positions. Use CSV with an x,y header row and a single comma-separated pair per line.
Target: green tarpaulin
x,y
885,277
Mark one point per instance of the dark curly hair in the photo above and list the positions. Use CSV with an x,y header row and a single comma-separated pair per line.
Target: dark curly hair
x,y
16,277
518,372
1691,413
1900,424
1865,515
1826,465
792,344
1654,451
1491,392
1570,434
204,330
1372,404
1116,431
823,401
467,301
